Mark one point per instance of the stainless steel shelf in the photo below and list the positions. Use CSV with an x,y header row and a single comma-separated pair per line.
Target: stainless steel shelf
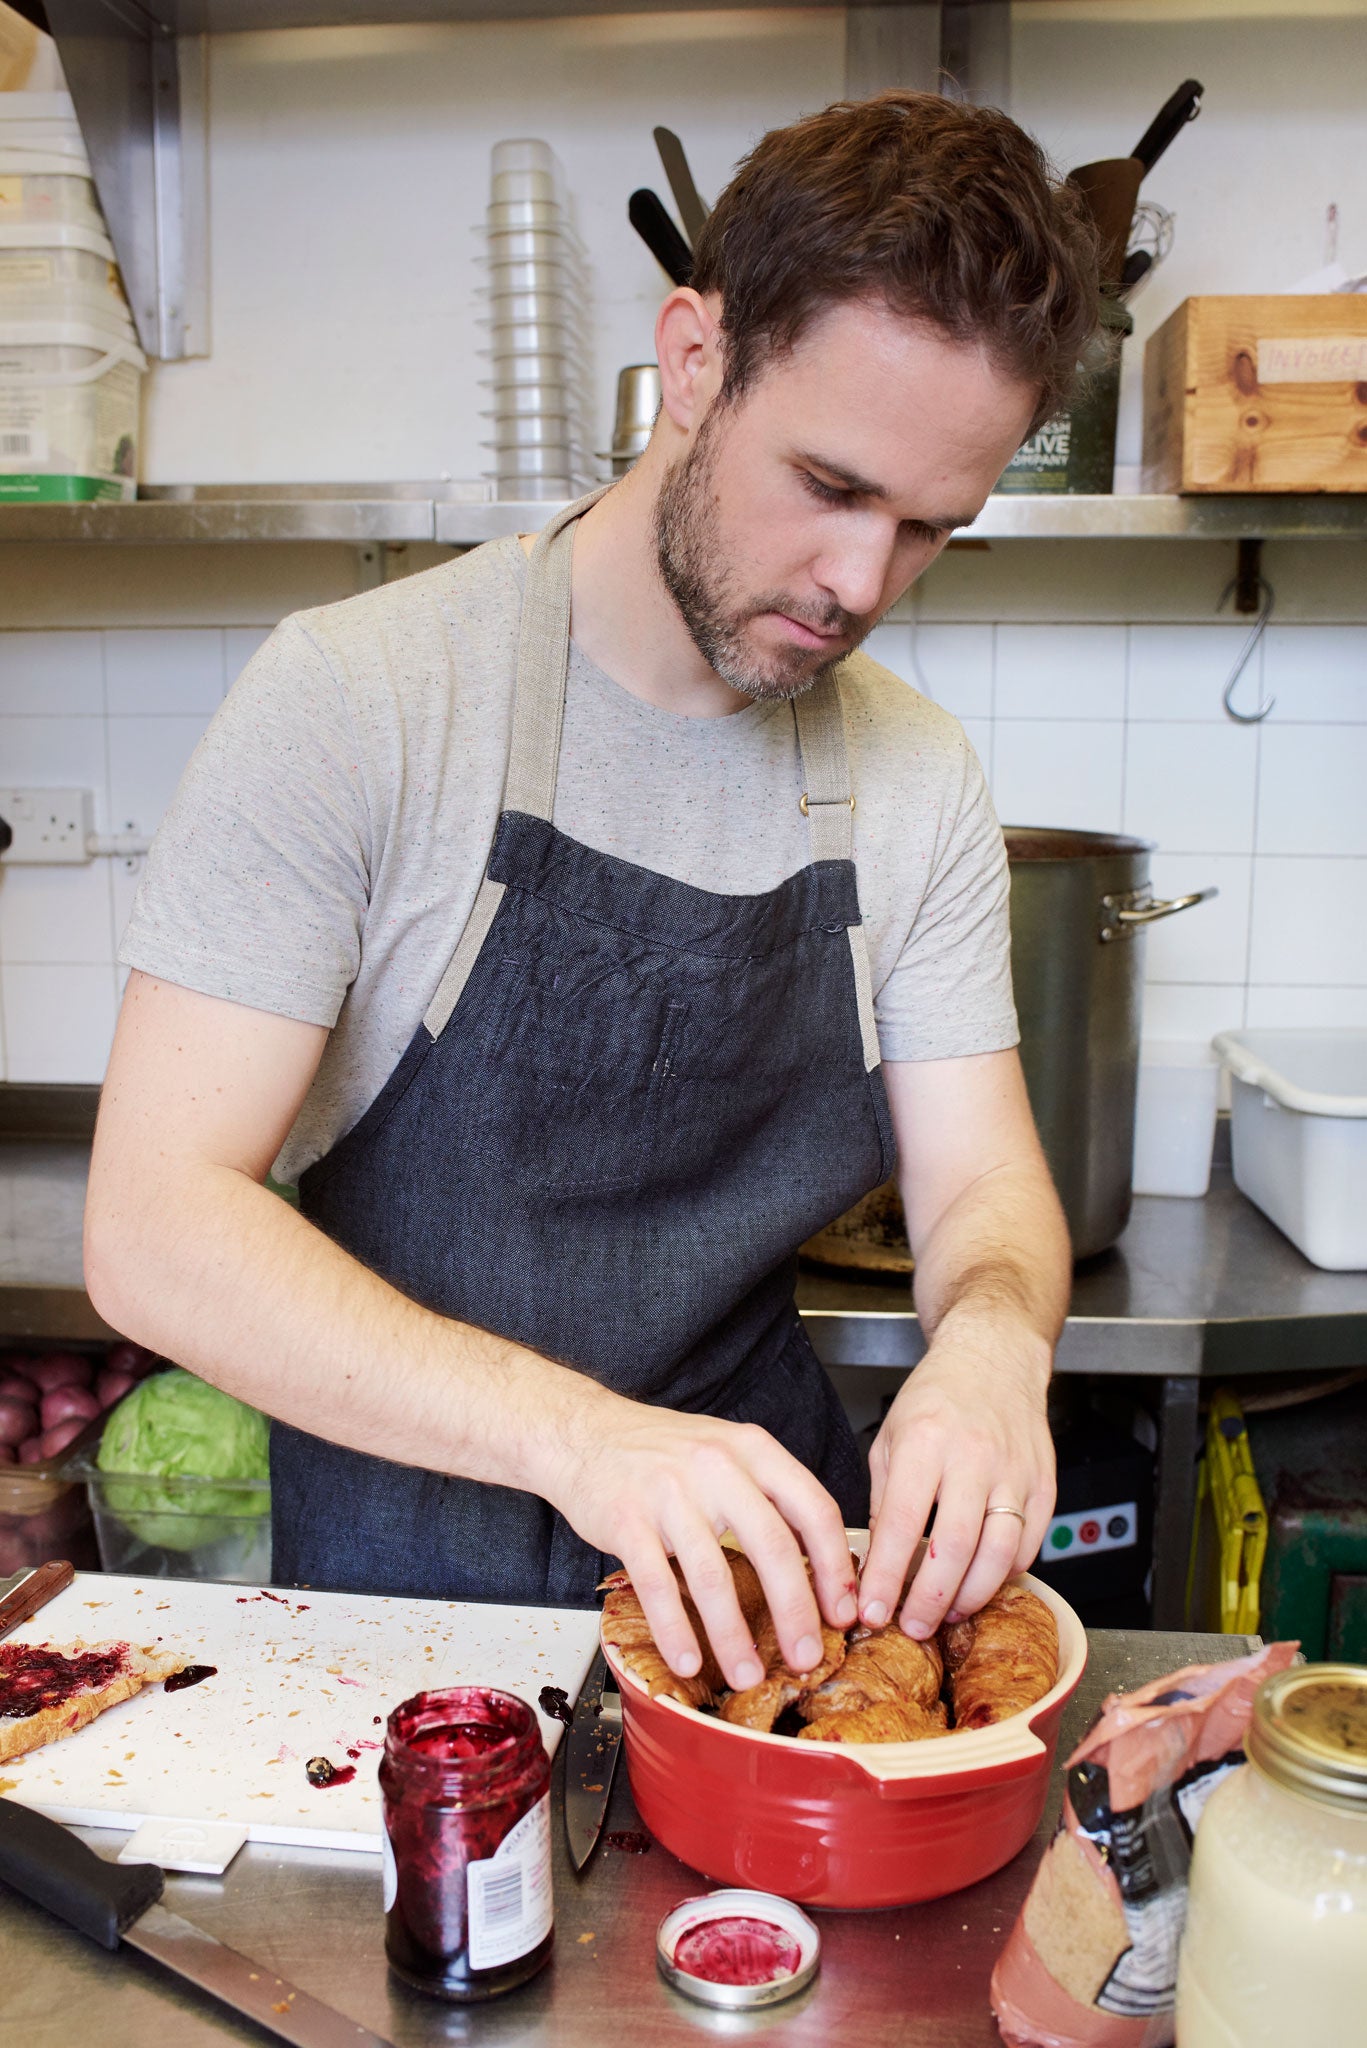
x,y
367,514
1192,1289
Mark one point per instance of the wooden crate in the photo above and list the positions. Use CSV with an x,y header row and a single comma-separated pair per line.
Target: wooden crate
x,y
1258,394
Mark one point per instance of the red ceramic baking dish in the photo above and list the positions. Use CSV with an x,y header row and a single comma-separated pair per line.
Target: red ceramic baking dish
x,y
884,1824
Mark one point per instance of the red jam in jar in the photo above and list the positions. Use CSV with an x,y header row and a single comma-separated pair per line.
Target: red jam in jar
x,y
467,1845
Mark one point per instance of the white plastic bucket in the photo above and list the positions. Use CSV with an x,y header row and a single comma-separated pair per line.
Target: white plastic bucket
x,y
57,256
70,394
1299,1136
44,170
1174,1120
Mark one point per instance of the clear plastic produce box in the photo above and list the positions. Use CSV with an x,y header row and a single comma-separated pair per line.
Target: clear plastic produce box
x,y
181,1527
45,1512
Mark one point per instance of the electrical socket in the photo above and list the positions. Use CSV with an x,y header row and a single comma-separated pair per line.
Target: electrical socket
x,y
50,826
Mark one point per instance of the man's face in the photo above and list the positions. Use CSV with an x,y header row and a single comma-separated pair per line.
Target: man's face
x,y
798,515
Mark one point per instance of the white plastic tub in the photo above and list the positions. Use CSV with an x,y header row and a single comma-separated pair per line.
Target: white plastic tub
x,y
57,257
70,394
1299,1136
1174,1125
44,169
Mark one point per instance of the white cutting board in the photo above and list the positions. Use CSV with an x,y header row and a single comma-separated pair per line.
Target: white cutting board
x,y
299,1675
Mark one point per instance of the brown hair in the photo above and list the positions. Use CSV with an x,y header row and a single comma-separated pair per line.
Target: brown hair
x,y
947,212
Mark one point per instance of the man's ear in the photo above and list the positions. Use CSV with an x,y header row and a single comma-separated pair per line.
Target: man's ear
x,y
688,348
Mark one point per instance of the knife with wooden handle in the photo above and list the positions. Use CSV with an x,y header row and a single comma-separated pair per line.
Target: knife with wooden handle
x,y
22,1595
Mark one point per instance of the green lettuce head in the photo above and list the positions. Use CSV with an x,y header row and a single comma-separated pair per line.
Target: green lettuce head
x,y
180,1430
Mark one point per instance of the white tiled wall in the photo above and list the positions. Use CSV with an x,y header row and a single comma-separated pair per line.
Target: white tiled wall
x,y
1114,725
1119,727
116,712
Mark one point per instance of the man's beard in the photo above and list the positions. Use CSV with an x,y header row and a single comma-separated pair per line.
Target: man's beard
x,y
691,558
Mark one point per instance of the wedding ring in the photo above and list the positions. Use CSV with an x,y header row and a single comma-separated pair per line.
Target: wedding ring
x,y
1005,1511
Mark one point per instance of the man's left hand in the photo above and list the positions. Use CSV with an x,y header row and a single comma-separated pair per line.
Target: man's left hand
x,y
967,1433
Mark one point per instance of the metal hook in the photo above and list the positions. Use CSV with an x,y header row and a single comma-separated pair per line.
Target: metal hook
x,y
1244,583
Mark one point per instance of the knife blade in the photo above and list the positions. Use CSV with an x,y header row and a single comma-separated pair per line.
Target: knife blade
x,y
591,1750
110,1902
693,211
27,1591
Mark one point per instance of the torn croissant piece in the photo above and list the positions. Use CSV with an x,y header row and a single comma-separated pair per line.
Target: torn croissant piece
x,y
1001,1659
889,1721
882,1666
626,1630
760,1705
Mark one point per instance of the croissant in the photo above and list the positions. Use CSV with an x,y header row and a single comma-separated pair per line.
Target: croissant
x,y
626,1630
760,1705
882,1664
889,1721
1001,1659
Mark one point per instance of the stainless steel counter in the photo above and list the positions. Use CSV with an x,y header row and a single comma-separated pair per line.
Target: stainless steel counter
x,y
916,1977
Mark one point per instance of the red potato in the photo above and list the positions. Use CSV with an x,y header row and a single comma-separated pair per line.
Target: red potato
x,y
7,1456
58,1369
13,1388
55,1440
111,1386
18,1420
68,1404
134,1359
31,1451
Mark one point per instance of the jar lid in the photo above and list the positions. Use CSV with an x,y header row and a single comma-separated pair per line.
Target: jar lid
x,y
737,1949
1309,1731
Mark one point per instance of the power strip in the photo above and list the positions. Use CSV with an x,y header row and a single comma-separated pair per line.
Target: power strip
x,y
1088,1531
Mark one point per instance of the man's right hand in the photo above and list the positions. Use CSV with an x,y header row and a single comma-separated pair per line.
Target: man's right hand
x,y
187,1253
644,1484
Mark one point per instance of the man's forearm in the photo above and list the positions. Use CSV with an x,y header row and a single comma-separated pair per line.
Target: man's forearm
x,y
219,1274
997,1265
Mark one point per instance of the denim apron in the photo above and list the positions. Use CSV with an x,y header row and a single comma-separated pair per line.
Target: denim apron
x,y
628,1104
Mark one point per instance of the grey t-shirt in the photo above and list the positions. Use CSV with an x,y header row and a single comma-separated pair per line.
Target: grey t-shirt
x,y
322,853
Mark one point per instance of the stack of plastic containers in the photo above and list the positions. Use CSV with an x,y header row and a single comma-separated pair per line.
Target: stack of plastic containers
x,y
70,366
536,346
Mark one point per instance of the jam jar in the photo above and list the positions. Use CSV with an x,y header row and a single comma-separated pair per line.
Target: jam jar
x,y
1275,1949
467,1844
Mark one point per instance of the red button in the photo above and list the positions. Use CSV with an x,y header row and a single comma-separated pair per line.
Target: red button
x,y
1090,1531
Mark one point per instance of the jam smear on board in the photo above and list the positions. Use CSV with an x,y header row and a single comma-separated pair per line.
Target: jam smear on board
x,y
555,1701
627,1841
193,1674
34,1676
739,1951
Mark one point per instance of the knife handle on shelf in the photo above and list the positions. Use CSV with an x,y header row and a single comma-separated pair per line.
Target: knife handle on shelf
x,y
49,1865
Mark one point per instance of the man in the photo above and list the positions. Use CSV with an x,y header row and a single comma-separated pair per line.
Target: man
x,y
562,1111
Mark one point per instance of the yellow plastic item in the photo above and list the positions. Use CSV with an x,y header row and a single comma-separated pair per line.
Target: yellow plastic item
x,y
1229,1503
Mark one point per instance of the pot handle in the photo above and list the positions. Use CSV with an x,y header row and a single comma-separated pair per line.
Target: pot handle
x,y
1121,916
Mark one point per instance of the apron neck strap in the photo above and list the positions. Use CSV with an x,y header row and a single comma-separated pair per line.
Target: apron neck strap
x,y
543,654
827,799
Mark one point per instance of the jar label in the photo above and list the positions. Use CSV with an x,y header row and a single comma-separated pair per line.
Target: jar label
x,y
391,1871
511,1906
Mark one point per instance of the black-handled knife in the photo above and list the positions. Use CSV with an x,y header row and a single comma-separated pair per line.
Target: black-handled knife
x,y
113,1902
591,1750
646,212
1168,123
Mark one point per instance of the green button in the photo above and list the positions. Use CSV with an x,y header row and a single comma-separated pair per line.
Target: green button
x,y
1061,1539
